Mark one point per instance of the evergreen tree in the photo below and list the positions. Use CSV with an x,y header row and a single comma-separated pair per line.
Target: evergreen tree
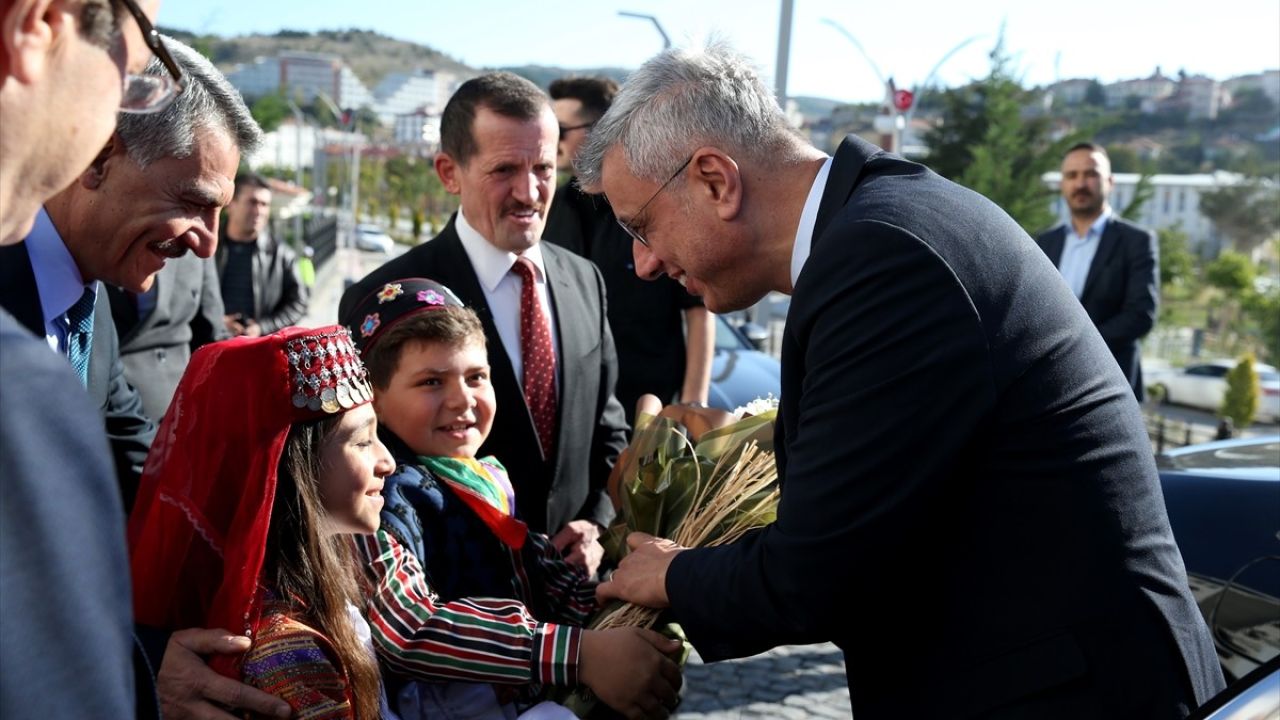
x,y
983,142
1240,403
1245,213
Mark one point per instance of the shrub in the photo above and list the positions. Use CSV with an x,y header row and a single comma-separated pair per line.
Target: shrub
x,y
1241,400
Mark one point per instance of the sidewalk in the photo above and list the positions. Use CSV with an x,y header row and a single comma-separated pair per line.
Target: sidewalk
x,y
787,683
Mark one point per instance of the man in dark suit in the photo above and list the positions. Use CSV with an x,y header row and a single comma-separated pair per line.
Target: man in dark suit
x,y
498,154
969,505
1110,264
65,633
665,337
161,327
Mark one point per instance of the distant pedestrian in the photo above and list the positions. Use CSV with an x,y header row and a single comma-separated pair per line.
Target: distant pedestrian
x,y
262,286
1111,265
1226,429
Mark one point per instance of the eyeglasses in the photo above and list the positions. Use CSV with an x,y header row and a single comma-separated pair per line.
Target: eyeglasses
x,y
150,93
566,129
635,235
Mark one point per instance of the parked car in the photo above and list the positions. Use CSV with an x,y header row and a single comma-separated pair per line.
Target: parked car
x,y
1223,500
740,373
373,237
1203,385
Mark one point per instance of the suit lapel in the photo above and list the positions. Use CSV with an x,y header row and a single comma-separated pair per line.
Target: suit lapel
x,y
1053,243
1106,246
573,330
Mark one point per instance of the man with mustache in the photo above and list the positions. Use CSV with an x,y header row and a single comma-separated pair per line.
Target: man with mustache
x,y
153,193
1110,264
543,309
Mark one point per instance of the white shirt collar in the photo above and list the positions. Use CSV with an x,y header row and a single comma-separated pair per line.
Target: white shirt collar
x,y
58,279
1095,230
808,218
490,263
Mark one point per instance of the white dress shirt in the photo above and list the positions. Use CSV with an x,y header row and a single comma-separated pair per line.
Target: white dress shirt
x,y
808,218
58,279
1078,252
502,289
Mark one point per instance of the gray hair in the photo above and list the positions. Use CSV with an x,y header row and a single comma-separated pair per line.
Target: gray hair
x,y
207,102
681,100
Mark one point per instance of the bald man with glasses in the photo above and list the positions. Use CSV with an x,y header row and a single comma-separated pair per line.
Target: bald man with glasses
x,y
67,645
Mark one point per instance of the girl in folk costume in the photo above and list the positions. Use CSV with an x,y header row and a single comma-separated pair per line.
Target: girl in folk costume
x,y
268,455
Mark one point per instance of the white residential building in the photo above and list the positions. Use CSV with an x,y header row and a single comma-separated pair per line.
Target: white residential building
x,y
1176,201
1149,91
300,75
1268,82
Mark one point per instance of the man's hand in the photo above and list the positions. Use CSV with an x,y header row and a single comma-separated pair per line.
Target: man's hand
x,y
233,325
579,542
188,688
628,669
641,577
252,328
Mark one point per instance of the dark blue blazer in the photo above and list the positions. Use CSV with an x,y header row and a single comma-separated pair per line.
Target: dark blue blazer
x,y
65,613
970,507
1121,291
592,430
128,428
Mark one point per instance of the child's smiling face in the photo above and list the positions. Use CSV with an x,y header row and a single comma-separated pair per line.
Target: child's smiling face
x,y
439,401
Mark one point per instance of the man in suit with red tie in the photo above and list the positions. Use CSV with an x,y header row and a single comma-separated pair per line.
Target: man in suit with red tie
x,y
559,428
1111,265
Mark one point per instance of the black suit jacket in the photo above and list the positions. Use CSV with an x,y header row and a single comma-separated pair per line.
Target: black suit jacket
x,y
187,314
592,431
1121,291
128,428
970,507
64,574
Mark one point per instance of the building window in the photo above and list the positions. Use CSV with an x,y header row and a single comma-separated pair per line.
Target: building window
x,y
1182,200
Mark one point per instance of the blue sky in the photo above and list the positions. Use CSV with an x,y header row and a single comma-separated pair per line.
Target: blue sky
x,y
1109,40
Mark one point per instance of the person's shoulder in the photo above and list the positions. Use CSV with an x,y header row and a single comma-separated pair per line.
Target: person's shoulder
x,y
1129,228
280,636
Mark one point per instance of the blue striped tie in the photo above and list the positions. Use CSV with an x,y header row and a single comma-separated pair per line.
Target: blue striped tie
x,y
80,334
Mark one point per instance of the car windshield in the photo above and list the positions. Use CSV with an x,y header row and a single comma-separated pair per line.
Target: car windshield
x,y
726,338
1236,456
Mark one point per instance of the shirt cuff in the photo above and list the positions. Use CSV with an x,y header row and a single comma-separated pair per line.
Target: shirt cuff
x,y
555,654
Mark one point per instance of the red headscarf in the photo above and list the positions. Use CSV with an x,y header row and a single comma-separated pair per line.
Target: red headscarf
x,y
198,531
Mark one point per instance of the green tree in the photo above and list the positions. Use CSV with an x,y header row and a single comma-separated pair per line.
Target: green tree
x,y
1143,191
419,217
1231,273
1263,310
1095,95
269,111
985,143
1240,403
1177,263
1246,213
1124,159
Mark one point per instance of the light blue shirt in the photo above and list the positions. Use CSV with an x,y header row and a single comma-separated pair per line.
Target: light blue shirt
x,y
1078,252
58,279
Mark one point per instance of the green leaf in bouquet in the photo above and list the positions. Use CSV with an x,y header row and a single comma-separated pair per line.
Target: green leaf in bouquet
x,y
735,436
614,541
684,481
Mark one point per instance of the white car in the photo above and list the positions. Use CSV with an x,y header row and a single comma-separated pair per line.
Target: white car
x,y
1203,385
372,237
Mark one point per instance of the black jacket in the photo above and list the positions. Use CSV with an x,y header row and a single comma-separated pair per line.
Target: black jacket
x,y
970,507
1121,291
279,295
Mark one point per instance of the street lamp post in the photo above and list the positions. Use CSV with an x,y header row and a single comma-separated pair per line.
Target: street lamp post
x,y
666,41
298,240
899,118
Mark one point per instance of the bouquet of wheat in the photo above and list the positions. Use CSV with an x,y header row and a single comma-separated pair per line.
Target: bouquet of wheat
x,y
697,485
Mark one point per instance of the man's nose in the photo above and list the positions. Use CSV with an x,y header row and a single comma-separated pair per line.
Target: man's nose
x,y
648,266
528,189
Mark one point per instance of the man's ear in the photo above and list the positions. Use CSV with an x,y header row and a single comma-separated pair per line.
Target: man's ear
x,y
717,177
93,177
447,169
29,28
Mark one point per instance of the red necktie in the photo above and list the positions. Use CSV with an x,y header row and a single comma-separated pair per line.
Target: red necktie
x,y
538,357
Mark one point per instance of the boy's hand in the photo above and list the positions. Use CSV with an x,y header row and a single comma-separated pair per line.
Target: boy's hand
x,y
628,670
579,542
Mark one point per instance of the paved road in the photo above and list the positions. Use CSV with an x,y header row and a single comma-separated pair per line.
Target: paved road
x,y
786,683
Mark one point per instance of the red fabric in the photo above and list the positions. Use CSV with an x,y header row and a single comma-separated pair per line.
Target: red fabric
x,y
198,531
538,357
